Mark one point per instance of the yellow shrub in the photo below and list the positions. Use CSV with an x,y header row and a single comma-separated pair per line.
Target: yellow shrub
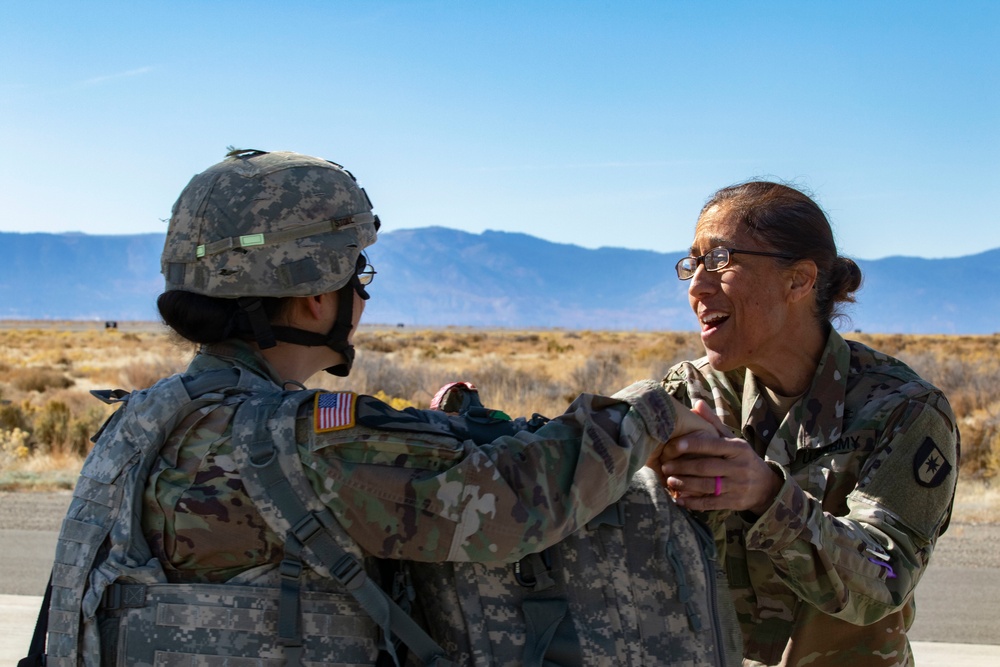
x,y
397,403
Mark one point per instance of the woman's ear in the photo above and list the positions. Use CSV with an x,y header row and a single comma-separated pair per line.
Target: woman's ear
x,y
307,309
803,278
315,305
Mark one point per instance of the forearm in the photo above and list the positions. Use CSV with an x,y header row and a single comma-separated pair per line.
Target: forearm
x,y
580,462
400,498
832,563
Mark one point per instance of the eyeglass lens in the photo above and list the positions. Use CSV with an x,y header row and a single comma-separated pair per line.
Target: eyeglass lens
x,y
366,272
714,259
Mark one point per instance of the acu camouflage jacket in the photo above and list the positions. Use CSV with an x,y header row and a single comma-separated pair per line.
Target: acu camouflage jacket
x,y
870,460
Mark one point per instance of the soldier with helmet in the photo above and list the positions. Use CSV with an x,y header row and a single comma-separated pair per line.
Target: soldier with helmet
x,y
229,513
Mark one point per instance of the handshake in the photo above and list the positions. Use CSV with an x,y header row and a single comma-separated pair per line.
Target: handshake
x,y
704,467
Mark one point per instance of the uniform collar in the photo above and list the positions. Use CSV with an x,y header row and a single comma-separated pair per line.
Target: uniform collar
x,y
815,420
233,352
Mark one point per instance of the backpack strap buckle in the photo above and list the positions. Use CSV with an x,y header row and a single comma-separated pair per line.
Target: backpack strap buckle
x,y
124,596
348,571
534,571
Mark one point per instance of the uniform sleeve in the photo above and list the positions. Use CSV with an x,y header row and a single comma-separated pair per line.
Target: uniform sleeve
x,y
427,497
684,383
863,566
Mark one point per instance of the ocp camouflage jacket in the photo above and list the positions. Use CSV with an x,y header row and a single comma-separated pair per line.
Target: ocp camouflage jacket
x,y
404,484
869,457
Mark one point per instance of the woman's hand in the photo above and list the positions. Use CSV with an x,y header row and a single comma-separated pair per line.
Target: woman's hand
x,y
687,423
706,471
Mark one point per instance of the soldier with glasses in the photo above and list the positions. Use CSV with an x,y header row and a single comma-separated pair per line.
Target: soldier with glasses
x,y
837,473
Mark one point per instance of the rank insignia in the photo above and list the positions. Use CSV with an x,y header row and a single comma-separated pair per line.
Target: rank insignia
x,y
334,411
930,466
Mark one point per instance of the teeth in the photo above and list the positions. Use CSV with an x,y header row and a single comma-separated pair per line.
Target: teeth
x,y
714,317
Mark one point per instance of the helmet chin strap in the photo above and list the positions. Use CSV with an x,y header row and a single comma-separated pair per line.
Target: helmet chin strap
x,y
335,339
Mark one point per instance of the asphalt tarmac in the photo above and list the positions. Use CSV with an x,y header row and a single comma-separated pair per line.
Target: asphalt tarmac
x,y
958,605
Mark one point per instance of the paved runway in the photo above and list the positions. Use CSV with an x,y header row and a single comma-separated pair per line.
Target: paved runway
x,y
957,605
18,613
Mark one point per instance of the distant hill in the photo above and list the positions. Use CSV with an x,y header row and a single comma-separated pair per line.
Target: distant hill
x,y
437,277
79,276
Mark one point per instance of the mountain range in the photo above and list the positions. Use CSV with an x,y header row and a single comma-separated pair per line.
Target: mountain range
x,y
435,276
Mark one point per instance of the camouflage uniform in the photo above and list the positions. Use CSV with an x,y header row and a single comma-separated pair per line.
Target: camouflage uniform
x,y
869,457
253,482
399,494
639,586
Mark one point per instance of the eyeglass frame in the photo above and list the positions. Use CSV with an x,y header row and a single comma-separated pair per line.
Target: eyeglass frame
x,y
364,270
700,259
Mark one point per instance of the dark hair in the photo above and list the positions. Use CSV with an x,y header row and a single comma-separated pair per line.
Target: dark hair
x,y
210,319
786,220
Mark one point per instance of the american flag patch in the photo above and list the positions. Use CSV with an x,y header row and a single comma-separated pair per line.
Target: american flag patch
x,y
334,411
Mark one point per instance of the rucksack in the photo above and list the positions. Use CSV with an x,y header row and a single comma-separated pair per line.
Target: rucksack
x,y
641,585
110,598
100,542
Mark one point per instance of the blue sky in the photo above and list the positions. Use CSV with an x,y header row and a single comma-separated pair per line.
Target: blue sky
x,y
592,123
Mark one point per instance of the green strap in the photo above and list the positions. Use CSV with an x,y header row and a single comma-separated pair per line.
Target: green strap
x,y
282,236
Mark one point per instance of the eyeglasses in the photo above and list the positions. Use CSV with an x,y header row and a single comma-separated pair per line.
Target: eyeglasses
x,y
364,270
715,259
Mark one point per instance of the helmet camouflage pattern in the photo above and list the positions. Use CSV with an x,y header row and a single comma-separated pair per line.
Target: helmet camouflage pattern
x,y
267,224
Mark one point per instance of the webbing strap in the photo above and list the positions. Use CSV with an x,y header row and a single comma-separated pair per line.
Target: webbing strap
x,y
253,308
550,635
282,236
289,612
312,530
542,618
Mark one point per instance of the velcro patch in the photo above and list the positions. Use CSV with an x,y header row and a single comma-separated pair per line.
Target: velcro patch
x,y
333,411
930,467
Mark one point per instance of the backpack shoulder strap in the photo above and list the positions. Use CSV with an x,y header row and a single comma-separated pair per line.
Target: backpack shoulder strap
x,y
266,452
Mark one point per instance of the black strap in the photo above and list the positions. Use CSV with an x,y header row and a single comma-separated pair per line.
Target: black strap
x,y
342,326
551,639
254,309
336,338
36,652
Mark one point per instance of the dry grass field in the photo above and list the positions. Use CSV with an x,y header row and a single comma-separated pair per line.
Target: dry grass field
x,y
48,368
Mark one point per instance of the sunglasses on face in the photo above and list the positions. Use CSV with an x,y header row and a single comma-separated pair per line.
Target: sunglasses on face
x,y
716,259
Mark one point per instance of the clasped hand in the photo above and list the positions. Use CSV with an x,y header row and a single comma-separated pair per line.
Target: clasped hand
x,y
704,468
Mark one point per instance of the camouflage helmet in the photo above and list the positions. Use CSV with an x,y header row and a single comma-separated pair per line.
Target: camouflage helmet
x,y
264,224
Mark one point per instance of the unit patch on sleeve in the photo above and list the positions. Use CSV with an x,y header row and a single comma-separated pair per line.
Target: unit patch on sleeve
x,y
930,466
334,411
